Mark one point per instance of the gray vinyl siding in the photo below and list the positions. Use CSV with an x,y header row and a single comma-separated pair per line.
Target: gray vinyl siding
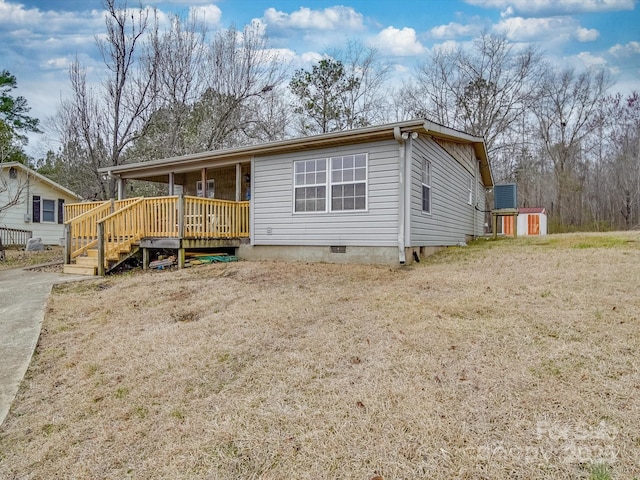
x,y
451,218
275,223
481,204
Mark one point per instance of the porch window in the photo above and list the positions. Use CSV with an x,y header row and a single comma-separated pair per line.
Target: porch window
x,y
310,184
210,188
426,186
349,182
48,210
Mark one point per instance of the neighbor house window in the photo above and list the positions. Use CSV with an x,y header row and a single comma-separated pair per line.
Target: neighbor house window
x,y
310,185
426,186
48,210
345,177
349,182
470,192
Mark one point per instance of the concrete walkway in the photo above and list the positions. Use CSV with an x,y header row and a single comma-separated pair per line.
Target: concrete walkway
x,y
23,299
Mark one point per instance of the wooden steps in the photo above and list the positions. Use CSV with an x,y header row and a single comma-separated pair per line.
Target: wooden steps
x,y
88,264
75,269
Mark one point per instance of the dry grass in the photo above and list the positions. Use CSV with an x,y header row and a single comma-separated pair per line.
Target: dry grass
x,y
20,259
507,359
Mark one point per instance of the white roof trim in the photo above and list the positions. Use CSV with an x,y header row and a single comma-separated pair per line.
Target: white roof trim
x,y
42,178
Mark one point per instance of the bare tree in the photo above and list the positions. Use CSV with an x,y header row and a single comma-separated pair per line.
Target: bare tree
x,y
565,110
240,72
100,124
619,139
483,91
366,103
181,52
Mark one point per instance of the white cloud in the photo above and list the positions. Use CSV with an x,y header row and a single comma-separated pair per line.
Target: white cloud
x,y
331,18
454,30
16,16
554,7
542,29
210,14
399,42
590,60
622,51
58,63
448,46
586,34
311,57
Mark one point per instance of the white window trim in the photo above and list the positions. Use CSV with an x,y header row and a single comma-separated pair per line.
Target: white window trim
x,y
426,165
470,192
329,183
55,210
293,204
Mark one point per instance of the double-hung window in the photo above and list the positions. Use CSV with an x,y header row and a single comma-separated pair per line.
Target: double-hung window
x,y
426,186
48,210
311,185
349,182
344,177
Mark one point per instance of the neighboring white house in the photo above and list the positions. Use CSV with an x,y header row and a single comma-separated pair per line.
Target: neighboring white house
x,y
39,202
381,194
531,221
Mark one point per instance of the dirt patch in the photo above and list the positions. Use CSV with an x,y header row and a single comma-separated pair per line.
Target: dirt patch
x,y
50,259
505,359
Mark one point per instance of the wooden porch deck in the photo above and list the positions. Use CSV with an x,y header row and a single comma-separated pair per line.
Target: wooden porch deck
x,y
100,235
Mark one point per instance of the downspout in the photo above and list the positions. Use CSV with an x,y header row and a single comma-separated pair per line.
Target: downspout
x,y
474,192
400,138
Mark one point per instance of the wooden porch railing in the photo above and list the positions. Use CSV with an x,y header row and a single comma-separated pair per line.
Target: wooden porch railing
x,y
81,232
74,210
82,223
118,231
210,218
115,227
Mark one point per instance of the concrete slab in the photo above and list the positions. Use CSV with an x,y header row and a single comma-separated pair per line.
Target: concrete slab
x,y
23,299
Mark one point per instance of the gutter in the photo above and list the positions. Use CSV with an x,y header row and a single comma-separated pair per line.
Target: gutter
x,y
400,138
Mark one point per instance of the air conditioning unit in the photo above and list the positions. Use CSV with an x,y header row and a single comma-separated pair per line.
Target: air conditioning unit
x,y
505,196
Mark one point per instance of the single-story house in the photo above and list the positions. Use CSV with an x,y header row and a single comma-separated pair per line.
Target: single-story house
x,y
531,221
381,194
37,204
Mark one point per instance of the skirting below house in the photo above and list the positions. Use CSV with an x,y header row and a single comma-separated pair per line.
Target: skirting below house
x,y
335,254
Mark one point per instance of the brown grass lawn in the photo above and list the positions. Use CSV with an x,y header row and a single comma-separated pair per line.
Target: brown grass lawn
x,y
501,360
19,258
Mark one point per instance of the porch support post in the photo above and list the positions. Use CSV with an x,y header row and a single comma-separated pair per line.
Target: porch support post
x,y
238,182
121,190
67,243
180,216
101,268
172,181
145,258
203,176
181,255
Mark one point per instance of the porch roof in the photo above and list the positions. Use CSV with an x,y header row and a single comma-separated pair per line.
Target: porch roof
x,y
155,169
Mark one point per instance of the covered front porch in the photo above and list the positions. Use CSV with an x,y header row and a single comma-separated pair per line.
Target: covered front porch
x,y
207,207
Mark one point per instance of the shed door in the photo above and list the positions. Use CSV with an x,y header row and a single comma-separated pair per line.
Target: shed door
x,y
533,224
507,225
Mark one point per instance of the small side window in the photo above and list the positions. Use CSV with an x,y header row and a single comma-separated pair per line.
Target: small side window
x,y
426,186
